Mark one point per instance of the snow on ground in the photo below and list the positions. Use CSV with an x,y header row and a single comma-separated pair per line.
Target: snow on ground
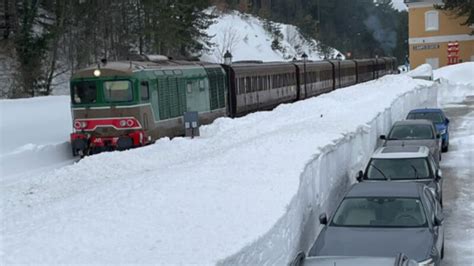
x,y
247,38
234,195
457,82
34,133
424,71
182,200
458,74
457,86
458,173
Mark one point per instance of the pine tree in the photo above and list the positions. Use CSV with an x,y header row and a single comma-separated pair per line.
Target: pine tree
x,y
461,8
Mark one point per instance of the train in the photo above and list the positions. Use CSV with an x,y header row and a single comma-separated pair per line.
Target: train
x,y
131,103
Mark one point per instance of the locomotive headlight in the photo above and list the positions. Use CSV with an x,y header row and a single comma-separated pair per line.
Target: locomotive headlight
x,y
80,124
97,73
123,123
77,125
129,122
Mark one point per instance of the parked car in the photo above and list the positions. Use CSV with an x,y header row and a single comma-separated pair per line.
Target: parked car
x,y
440,120
399,260
415,133
404,163
384,219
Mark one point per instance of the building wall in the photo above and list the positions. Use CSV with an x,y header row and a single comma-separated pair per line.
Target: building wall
x,y
433,44
418,57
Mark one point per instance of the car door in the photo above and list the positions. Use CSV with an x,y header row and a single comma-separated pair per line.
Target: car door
x,y
435,210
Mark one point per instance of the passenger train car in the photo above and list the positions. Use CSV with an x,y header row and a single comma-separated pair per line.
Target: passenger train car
x,y
125,104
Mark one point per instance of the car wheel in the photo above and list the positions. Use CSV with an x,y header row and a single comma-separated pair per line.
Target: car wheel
x,y
445,148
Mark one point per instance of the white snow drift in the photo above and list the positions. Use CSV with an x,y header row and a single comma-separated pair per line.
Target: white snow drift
x,y
247,191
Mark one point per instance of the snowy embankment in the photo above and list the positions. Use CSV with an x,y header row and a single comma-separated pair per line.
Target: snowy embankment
x,y
249,37
243,192
34,133
332,169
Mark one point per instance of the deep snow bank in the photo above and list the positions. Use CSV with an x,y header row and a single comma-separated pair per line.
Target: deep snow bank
x,y
456,82
328,174
187,201
325,179
34,133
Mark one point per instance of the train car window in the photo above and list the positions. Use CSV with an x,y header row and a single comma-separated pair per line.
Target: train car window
x,y
177,72
202,86
118,91
84,92
144,90
189,87
169,72
260,83
248,88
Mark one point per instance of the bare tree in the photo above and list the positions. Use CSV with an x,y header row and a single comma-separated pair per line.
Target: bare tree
x,y
227,40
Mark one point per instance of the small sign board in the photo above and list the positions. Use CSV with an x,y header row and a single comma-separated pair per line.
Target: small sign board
x,y
191,124
426,46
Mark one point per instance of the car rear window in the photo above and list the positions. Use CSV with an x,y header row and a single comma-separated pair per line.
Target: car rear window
x,y
398,169
380,212
407,132
432,116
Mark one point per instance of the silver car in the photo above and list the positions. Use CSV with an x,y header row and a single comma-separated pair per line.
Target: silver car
x,y
415,133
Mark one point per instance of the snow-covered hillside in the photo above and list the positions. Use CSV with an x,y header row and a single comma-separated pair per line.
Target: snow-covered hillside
x,y
250,38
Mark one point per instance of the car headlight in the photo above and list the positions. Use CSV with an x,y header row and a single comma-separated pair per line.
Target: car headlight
x,y
428,262
442,132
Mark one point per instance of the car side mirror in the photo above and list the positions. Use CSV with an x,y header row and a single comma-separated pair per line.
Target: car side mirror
x,y
360,176
323,219
438,220
438,136
383,137
447,121
439,174
299,259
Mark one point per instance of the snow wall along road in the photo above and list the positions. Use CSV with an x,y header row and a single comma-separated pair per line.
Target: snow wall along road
x,y
323,182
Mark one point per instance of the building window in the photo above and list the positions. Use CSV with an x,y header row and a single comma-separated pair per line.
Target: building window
x,y
432,21
472,58
433,62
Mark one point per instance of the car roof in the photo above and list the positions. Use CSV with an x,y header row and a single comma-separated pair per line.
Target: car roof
x,y
385,189
427,110
400,152
413,122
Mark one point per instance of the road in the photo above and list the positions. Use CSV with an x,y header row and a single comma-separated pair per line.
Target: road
x,y
458,174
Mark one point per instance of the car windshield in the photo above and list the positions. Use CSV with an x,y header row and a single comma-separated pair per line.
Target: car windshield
x,y
432,116
84,92
380,212
382,169
118,91
407,132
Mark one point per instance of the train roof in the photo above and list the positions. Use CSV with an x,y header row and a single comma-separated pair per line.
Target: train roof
x,y
126,68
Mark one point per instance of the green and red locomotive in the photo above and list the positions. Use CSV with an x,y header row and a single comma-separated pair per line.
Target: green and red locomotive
x,y
126,104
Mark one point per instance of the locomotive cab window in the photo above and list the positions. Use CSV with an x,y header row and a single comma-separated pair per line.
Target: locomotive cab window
x,y
118,91
144,91
84,92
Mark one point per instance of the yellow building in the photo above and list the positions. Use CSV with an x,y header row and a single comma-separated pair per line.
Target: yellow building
x,y
430,32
